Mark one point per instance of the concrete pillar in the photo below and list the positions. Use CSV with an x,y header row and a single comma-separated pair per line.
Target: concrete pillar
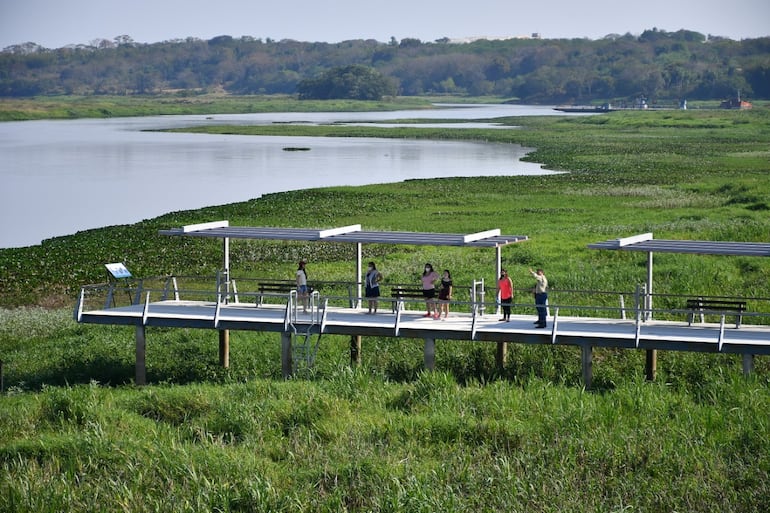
x,y
224,348
141,370
286,363
748,364
651,364
587,364
430,354
501,355
355,350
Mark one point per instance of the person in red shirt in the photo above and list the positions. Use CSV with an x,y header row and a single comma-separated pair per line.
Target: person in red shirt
x,y
505,290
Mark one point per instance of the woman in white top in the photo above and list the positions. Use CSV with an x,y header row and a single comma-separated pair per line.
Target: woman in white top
x,y
301,278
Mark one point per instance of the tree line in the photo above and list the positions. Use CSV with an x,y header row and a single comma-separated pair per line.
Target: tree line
x,y
657,65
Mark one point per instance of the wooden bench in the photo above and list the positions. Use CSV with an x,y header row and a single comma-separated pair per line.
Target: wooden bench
x,y
399,293
277,287
716,306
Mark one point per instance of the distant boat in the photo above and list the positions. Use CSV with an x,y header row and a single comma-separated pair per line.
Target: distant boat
x,y
295,148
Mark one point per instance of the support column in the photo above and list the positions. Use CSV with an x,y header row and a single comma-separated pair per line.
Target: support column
x,y
224,348
359,277
652,354
286,363
430,354
748,364
355,350
501,355
651,365
140,377
586,357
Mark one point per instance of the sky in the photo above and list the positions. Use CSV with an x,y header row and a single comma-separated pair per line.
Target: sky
x,y
57,23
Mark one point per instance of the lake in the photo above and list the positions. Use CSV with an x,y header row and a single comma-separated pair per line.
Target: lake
x,y
60,177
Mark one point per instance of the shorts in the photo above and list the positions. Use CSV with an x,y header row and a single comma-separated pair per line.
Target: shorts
x,y
443,295
372,291
428,293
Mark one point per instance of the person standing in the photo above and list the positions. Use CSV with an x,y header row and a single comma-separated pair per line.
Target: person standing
x,y
445,293
429,277
541,296
301,280
505,289
373,279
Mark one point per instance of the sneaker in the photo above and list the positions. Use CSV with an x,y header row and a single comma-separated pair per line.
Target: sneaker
x,y
437,317
428,315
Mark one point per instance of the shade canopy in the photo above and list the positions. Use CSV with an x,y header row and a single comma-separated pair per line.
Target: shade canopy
x,y
646,243
347,234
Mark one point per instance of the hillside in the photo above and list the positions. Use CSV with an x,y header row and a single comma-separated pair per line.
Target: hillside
x,y
660,66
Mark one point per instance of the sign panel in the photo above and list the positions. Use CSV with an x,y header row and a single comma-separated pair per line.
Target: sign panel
x,y
118,270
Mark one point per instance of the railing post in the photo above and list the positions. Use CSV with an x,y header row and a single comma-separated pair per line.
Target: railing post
x,y
139,290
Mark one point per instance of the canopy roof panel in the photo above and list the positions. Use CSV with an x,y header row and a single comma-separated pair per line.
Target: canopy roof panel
x,y
646,243
346,234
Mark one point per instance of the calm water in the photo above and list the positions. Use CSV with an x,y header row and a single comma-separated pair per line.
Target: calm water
x,y
59,177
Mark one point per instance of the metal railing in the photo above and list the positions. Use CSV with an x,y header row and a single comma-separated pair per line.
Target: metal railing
x,y
563,302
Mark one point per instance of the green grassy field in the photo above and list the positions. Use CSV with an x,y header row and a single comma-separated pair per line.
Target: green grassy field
x,y
75,435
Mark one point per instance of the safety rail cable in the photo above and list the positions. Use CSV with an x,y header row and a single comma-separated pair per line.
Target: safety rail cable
x,y
396,326
288,311
638,327
217,310
79,305
146,311
554,323
474,318
323,316
721,333
89,293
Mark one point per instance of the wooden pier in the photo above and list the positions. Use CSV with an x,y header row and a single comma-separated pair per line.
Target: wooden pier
x,y
289,321
221,308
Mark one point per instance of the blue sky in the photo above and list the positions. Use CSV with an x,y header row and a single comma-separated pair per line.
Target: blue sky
x,y
56,23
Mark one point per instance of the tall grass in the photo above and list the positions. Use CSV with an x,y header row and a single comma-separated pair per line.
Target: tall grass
x,y
426,445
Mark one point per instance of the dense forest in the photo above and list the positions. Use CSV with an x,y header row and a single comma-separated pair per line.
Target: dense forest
x,y
657,65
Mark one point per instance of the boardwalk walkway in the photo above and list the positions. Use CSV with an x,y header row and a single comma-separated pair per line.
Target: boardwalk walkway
x,y
584,332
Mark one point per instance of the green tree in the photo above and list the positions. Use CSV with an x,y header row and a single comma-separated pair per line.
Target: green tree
x,y
355,82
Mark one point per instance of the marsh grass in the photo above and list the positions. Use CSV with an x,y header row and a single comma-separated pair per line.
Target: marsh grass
x,y
426,445
75,435
71,107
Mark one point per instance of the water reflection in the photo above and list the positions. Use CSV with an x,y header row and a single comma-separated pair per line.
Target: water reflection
x,y
63,176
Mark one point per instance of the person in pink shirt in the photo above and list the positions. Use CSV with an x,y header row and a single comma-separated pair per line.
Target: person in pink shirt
x,y
429,278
